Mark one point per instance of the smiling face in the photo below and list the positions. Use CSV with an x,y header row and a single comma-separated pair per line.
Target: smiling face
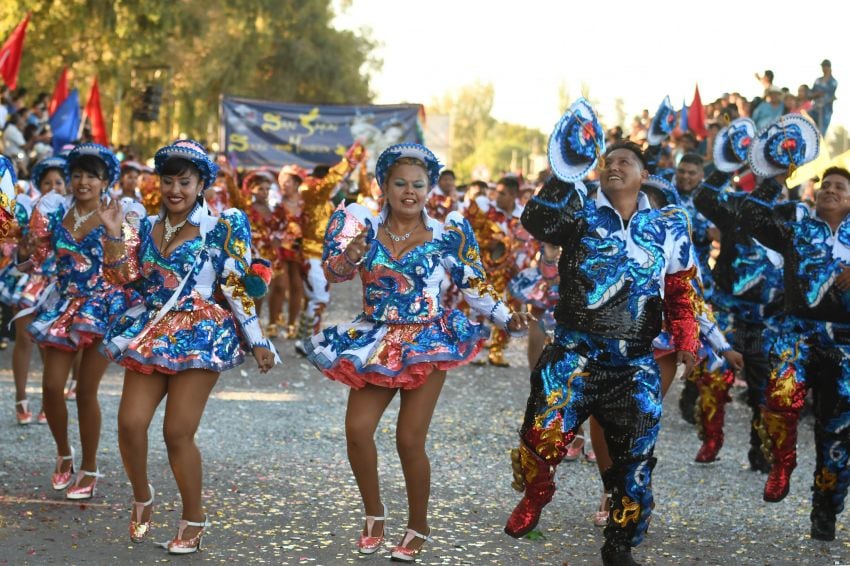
x,y
833,196
180,192
86,187
688,176
623,172
406,190
52,180
260,189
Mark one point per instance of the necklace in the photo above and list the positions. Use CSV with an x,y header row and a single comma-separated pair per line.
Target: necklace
x,y
80,220
396,238
171,231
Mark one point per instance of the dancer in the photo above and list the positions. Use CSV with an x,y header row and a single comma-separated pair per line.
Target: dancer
x,y
623,264
290,178
178,340
74,314
404,341
812,349
748,276
315,212
48,176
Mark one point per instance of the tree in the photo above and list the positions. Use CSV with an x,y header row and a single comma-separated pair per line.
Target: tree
x,y
469,115
839,141
253,48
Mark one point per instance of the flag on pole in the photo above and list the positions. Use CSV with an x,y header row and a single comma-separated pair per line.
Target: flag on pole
x,y
696,116
95,116
60,92
65,122
10,54
683,118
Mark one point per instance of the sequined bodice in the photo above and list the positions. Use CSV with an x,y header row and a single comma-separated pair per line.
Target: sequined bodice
x,y
78,263
403,290
161,275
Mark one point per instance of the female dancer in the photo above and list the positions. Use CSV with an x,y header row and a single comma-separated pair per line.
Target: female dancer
x,y
179,339
404,340
267,228
76,310
49,177
292,205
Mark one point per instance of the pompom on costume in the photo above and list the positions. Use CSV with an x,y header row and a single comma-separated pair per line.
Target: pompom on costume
x,y
404,333
178,325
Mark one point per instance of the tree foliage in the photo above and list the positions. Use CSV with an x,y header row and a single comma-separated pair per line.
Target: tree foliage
x,y
253,48
477,139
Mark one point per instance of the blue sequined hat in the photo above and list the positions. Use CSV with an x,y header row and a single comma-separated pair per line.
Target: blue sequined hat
x,y
661,190
576,142
732,143
662,123
55,162
415,150
113,168
189,150
8,180
784,145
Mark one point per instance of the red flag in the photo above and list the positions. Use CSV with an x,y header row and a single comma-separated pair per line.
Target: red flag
x,y
10,54
95,115
696,116
60,92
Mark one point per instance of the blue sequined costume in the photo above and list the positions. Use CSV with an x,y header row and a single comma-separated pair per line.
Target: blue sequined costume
x,y
812,349
195,331
404,332
77,309
616,279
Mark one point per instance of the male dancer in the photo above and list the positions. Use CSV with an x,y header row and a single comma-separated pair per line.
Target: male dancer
x,y
623,264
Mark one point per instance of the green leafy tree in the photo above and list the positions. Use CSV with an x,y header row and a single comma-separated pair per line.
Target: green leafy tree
x,y
254,48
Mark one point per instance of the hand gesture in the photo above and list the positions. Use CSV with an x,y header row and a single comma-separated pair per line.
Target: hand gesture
x,y
735,359
111,216
520,321
264,357
843,279
357,247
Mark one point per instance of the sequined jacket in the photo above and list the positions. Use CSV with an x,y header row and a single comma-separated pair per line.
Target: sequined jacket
x,y
514,247
78,264
747,274
217,262
407,290
813,255
617,279
317,209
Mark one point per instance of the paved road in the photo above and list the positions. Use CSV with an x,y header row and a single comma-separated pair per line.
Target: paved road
x,y
279,490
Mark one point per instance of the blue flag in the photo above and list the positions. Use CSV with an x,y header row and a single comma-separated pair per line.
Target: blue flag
x,y
683,118
65,122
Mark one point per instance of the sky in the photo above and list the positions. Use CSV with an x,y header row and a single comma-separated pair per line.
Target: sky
x,y
638,51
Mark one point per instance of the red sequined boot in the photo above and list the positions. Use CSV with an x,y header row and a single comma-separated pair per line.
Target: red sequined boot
x,y
782,432
534,474
714,394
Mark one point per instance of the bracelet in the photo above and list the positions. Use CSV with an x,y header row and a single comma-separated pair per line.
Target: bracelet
x,y
354,263
109,238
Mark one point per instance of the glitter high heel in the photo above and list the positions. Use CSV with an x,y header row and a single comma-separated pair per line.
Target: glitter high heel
x,y
403,553
76,492
180,546
369,544
24,416
140,529
60,480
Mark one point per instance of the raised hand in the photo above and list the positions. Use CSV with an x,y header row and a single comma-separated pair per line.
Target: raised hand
x,y
357,247
111,216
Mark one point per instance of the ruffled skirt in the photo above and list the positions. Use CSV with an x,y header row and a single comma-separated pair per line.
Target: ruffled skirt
x,y
72,324
12,283
202,335
395,355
